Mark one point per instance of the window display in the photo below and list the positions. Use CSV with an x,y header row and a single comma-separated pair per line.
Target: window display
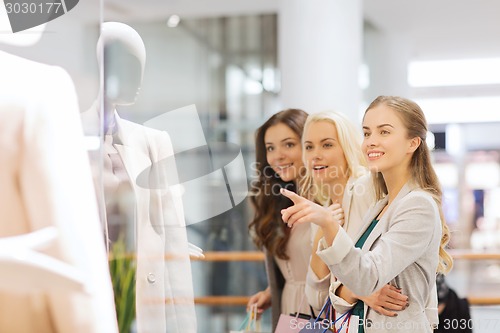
x,y
45,181
150,220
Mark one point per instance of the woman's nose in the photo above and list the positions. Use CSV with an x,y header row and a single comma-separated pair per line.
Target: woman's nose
x,y
370,142
316,155
279,154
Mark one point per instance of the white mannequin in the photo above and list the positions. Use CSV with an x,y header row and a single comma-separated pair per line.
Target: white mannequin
x,y
49,223
122,81
20,263
164,291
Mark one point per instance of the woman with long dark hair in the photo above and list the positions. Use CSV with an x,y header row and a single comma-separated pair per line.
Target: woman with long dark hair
x,y
279,165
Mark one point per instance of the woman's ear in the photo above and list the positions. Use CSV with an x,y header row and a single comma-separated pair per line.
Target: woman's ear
x,y
414,144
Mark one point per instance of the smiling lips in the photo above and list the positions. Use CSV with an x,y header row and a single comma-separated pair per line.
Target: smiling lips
x,y
283,167
373,155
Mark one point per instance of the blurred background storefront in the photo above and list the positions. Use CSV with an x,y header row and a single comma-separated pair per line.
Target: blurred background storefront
x,y
240,61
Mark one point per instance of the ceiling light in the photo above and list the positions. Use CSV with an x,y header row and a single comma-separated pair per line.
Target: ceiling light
x,y
173,21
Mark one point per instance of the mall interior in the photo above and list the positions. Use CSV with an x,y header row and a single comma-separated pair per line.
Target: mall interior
x,y
214,70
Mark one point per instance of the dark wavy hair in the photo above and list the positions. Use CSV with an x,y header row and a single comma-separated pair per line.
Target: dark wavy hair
x,y
267,228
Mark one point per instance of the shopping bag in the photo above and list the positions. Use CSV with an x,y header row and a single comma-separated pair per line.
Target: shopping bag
x,y
336,324
251,323
290,324
293,322
319,324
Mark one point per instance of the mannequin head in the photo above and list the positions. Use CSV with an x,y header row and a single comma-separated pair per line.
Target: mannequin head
x,y
123,59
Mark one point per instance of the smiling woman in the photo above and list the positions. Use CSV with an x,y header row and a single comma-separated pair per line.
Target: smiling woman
x,y
404,235
336,176
283,151
332,155
279,165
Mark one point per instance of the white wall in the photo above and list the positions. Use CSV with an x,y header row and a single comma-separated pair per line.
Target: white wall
x,y
175,75
69,41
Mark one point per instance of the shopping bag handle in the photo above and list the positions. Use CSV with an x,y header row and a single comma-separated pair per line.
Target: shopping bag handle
x,y
244,324
327,310
250,320
347,319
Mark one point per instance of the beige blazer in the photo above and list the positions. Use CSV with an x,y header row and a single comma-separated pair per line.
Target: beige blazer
x,y
164,288
45,181
403,249
358,197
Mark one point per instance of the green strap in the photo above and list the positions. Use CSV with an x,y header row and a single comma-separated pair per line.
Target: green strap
x,y
359,308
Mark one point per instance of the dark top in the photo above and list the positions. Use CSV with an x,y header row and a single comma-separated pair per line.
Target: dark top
x,y
456,315
358,309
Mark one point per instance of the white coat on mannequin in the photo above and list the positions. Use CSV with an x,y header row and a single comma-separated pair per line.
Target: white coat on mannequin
x,y
164,291
46,183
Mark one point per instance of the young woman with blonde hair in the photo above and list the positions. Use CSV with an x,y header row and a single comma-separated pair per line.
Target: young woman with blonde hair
x,y
337,176
405,234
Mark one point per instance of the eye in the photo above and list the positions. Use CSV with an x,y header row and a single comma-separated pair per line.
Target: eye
x,y
384,132
327,145
366,134
269,148
290,144
307,147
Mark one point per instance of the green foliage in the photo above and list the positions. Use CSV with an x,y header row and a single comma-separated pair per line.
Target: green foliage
x,y
122,267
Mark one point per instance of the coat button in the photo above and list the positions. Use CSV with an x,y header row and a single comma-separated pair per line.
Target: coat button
x,y
151,278
369,323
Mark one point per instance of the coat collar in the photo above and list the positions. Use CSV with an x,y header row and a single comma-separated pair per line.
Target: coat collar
x,y
118,137
124,132
131,135
348,195
376,209
129,139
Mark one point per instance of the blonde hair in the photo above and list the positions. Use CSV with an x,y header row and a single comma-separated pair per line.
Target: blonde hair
x,y
422,171
350,142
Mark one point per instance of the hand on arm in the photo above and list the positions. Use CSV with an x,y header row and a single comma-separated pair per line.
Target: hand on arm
x,y
262,299
337,212
386,301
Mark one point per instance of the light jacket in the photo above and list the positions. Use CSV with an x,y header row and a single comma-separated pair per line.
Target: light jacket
x,y
164,288
402,249
45,181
